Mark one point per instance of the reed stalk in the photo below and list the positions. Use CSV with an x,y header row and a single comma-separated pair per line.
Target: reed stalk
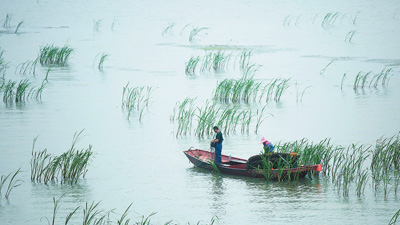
x,y
51,55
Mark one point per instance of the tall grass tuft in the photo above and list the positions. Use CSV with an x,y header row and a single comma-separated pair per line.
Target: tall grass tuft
x,y
191,65
102,58
66,168
248,90
7,21
3,65
136,99
13,183
195,31
202,119
28,67
21,92
18,26
394,218
51,55
362,79
349,36
168,29
97,25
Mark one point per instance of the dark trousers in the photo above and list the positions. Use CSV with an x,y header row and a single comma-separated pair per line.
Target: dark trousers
x,y
218,151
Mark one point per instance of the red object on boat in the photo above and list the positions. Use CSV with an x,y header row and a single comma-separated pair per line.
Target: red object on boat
x,y
237,166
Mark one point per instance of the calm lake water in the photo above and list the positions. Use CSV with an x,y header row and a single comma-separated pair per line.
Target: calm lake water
x,y
142,162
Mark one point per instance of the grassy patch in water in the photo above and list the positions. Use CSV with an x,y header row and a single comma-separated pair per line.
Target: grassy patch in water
x,y
21,92
92,214
52,55
136,99
13,183
65,168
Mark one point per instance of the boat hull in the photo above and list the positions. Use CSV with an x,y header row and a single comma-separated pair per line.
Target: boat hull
x,y
237,166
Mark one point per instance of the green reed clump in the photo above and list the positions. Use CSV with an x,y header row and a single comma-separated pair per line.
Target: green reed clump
x,y
92,214
97,24
102,58
215,62
350,35
66,168
168,29
52,55
13,183
362,79
3,64
236,91
330,19
191,65
28,67
136,99
326,67
394,218
385,166
21,92
203,119
183,113
18,26
7,21
195,32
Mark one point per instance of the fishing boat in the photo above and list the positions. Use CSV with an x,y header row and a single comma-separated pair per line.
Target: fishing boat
x,y
240,167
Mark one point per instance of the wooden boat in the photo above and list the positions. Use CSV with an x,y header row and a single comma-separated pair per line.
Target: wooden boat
x,y
237,166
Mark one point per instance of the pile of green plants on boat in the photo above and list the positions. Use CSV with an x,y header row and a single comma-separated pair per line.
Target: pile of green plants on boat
x,y
65,168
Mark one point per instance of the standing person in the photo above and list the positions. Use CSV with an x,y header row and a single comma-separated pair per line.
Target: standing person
x,y
218,145
268,146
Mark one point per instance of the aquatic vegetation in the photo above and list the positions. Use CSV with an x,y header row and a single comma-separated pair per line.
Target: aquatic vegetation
x,y
183,113
326,67
361,79
13,183
18,26
21,92
191,65
92,214
195,32
385,164
7,21
28,67
51,55
248,90
168,29
394,218
341,83
350,36
136,99
3,64
97,24
203,119
327,20
215,61
66,168
330,19
102,57
300,94
236,91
